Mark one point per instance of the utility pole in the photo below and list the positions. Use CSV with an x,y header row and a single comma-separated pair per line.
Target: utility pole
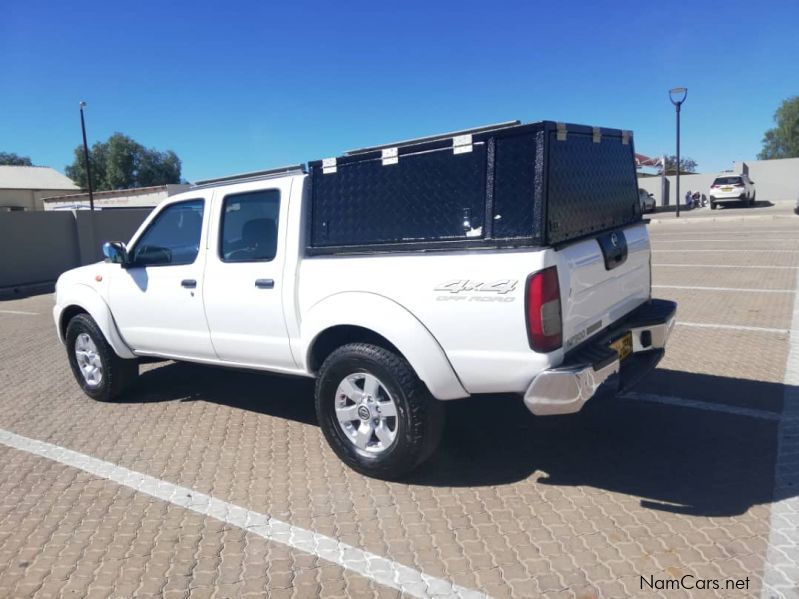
x,y
86,157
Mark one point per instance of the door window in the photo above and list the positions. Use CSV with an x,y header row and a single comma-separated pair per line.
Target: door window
x,y
173,237
249,226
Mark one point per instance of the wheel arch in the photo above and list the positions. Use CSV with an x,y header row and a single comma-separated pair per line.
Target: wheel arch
x,y
330,339
82,299
67,314
367,317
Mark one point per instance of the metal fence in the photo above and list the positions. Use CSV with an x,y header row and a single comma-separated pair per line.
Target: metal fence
x,y
36,247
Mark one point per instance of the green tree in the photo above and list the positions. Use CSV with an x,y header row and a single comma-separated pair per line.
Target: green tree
x,y
11,159
686,165
122,163
783,140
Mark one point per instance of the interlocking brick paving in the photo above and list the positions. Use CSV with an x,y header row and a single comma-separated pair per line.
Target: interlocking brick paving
x,y
510,505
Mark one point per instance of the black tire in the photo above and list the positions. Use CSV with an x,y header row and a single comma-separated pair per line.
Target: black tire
x,y
118,374
420,417
712,205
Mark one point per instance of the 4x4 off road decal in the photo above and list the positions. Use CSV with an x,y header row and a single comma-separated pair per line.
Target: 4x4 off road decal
x,y
477,291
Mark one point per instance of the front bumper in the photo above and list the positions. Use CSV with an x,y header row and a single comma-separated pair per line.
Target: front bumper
x,y
566,389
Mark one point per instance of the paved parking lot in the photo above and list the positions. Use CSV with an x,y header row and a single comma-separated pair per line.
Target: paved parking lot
x,y
208,482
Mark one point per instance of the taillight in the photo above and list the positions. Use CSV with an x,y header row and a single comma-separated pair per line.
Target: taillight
x,y
544,323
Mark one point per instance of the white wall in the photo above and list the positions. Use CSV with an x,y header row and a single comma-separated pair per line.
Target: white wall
x,y
29,199
775,180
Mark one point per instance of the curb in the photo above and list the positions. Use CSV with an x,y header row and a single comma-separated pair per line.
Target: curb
x,y
716,219
26,290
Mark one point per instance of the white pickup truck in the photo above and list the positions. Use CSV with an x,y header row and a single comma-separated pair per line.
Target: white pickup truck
x,y
399,277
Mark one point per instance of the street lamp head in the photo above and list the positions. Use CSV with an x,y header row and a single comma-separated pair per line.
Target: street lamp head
x,y
82,104
678,95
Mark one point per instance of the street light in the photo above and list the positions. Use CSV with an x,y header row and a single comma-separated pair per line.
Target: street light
x,y
86,156
677,97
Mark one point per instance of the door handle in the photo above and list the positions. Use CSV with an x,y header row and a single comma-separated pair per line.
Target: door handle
x,y
189,283
265,283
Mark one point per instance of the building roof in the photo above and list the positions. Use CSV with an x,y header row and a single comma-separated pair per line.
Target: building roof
x,y
115,193
135,197
34,177
169,189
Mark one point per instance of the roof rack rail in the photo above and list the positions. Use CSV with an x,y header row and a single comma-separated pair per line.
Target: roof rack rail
x,y
437,137
253,176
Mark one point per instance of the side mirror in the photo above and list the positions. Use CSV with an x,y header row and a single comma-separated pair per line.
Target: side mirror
x,y
752,182
115,252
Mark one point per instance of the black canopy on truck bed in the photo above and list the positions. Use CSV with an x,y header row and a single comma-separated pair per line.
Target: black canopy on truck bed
x,y
536,184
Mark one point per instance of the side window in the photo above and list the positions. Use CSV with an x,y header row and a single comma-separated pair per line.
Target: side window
x,y
249,226
173,237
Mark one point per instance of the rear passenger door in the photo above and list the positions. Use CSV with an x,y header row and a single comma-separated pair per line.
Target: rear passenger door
x,y
244,275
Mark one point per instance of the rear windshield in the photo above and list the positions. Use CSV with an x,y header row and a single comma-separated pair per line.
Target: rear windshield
x,y
727,181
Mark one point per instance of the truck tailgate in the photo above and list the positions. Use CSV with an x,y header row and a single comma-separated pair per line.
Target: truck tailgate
x,y
596,293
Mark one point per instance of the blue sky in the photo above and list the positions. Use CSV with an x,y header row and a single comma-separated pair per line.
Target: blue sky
x,y
239,86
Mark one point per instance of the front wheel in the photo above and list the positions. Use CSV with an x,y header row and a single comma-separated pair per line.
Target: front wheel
x,y
375,413
101,373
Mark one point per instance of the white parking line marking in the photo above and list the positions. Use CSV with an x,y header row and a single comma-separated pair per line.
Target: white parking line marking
x,y
656,240
701,405
782,555
19,312
383,571
721,231
723,251
721,236
732,327
722,266
723,289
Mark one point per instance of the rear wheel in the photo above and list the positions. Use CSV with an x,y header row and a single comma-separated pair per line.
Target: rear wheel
x,y
375,413
712,205
101,373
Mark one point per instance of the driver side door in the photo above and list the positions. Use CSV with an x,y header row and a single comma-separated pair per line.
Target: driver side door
x,y
156,299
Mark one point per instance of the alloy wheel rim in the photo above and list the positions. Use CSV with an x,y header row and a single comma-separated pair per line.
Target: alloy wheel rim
x,y
89,362
366,413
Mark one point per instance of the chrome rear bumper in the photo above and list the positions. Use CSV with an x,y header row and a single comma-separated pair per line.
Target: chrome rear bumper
x,y
566,389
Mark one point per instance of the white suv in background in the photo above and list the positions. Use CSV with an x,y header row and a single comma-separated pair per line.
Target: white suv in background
x,y
732,188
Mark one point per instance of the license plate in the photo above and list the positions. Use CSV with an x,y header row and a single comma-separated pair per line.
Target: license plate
x,y
623,346
726,189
